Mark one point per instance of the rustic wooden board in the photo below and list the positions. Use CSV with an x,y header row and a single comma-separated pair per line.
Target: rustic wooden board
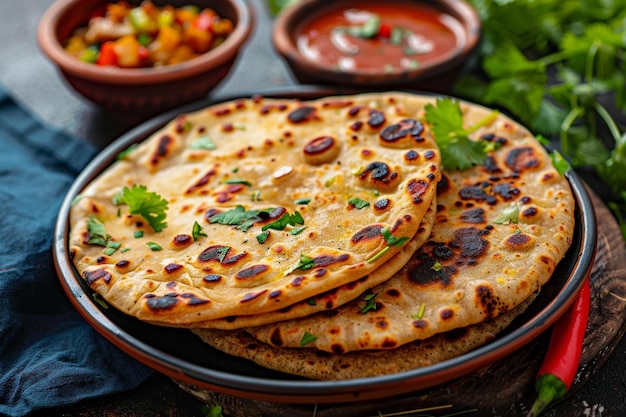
x,y
504,388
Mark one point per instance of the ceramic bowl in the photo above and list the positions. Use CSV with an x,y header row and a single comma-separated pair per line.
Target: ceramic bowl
x,y
433,73
141,91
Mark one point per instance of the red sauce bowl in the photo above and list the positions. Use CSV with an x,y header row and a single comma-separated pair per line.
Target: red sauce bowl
x,y
443,35
139,93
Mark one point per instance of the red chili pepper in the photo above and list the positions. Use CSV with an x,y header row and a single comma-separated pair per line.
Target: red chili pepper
x,y
560,364
384,31
107,54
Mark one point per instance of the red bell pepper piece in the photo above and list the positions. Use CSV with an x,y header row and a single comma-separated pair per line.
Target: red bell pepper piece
x,y
384,31
107,54
204,20
560,364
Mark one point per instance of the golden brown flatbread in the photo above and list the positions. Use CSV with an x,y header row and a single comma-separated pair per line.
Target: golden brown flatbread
x,y
500,230
270,202
328,300
316,364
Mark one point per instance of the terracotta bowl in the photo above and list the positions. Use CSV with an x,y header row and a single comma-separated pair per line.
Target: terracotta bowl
x,y
436,74
141,92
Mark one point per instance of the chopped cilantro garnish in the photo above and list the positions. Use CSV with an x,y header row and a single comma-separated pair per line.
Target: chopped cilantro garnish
x,y
391,240
307,338
436,266
559,163
138,234
203,143
297,230
287,219
112,246
304,264
508,215
76,199
196,231
97,233
358,203
458,151
262,237
149,205
302,201
420,312
370,303
222,253
126,152
237,181
212,410
154,246
311,301
239,217
256,196
124,250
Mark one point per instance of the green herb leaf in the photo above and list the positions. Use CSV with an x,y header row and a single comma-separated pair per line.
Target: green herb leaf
x,y
196,231
123,154
369,304
149,205
98,299
302,201
391,239
297,230
154,246
458,151
304,264
420,313
262,237
212,410
237,181
203,143
307,338
436,266
97,233
358,203
138,234
560,163
508,215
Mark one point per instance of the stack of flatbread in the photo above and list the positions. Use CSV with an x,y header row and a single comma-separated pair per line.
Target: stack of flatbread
x,y
324,238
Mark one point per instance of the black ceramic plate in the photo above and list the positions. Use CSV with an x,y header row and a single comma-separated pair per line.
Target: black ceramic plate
x,y
184,357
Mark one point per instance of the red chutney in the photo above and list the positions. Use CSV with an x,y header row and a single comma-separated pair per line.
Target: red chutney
x,y
387,36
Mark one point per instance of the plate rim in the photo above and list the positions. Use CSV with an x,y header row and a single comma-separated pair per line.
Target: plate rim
x,y
305,391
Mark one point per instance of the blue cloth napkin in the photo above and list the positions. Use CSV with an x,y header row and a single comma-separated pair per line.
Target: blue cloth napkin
x,y
49,356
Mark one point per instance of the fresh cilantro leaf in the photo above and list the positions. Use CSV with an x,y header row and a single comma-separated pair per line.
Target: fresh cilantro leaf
x,y
311,301
358,203
297,230
203,143
420,313
123,154
196,231
304,264
262,237
369,304
212,410
307,338
237,181
559,163
154,246
149,205
458,151
302,201
111,247
287,219
239,217
436,266
508,215
97,233
138,234
391,239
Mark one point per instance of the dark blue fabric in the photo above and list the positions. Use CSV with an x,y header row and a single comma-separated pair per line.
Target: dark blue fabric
x,y
49,356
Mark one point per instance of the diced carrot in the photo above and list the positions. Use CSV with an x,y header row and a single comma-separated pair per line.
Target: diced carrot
x,y
199,40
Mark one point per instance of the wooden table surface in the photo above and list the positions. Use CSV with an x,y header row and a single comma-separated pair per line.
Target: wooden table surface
x,y
601,388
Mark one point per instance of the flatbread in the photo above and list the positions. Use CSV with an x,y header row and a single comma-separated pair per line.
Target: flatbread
x,y
259,154
320,365
477,264
328,300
